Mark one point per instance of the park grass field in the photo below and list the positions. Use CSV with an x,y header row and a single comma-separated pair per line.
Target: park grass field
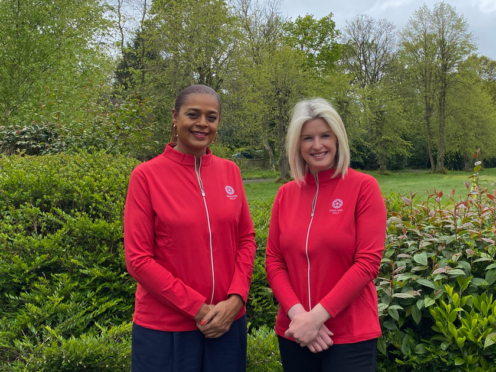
x,y
402,183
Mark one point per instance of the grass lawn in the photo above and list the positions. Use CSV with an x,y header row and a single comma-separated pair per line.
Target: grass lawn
x,y
400,182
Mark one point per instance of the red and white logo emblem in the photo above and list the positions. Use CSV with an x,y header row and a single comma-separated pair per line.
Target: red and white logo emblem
x,y
229,190
337,203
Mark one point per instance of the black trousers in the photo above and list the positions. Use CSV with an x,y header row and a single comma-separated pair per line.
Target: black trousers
x,y
358,357
159,351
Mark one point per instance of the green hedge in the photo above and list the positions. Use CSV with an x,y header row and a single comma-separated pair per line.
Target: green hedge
x,y
67,300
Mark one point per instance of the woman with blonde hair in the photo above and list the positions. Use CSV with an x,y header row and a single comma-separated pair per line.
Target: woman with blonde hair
x,y
324,249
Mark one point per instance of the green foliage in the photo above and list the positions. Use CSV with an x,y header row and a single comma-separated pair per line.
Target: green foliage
x,y
431,249
63,279
263,351
67,298
50,45
261,307
121,129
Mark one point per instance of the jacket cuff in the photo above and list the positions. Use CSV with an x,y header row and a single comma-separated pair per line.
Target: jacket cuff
x,y
242,293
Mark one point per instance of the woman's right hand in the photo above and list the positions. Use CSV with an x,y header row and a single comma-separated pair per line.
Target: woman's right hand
x,y
323,340
204,310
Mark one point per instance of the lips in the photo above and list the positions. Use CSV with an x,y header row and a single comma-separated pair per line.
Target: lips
x,y
200,135
319,155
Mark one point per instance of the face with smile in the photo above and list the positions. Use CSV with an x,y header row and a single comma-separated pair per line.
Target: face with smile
x,y
318,145
196,122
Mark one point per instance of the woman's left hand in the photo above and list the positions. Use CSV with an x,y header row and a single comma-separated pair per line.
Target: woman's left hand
x,y
304,327
218,321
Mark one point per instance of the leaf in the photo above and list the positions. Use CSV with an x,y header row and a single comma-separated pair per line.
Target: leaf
x,y
420,349
490,340
421,258
455,272
491,276
428,302
464,265
459,361
483,259
382,307
441,270
381,345
492,266
403,295
479,281
426,283
403,255
389,324
420,304
419,268
394,314
416,314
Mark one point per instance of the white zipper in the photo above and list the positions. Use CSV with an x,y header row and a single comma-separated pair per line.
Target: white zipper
x,y
306,244
209,229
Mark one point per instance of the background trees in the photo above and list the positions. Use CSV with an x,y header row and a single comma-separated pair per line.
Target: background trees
x,y
104,75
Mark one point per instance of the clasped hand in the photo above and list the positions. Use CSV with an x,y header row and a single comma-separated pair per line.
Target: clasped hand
x,y
308,328
214,321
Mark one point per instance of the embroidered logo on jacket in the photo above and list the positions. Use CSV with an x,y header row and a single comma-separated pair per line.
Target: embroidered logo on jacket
x,y
336,205
230,193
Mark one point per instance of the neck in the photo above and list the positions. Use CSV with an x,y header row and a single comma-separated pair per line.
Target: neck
x,y
197,153
316,172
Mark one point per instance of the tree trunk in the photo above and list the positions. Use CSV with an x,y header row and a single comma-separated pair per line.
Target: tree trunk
x,y
265,140
442,122
281,136
467,164
382,163
429,143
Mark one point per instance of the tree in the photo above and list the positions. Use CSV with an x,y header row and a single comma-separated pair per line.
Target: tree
x,y
419,55
50,50
370,55
186,42
317,38
435,42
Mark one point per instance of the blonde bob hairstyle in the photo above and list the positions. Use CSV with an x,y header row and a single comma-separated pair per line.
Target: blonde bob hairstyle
x,y
309,110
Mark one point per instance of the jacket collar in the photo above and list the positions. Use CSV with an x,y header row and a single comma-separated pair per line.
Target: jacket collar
x,y
323,177
186,159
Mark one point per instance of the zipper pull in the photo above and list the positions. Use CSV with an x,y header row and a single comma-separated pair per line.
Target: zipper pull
x,y
203,193
312,214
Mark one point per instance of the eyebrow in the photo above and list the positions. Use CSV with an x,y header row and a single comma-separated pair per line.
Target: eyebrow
x,y
198,110
327,131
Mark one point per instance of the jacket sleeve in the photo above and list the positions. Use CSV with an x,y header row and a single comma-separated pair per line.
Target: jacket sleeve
x,y
370,220
277,269
139,239
245,255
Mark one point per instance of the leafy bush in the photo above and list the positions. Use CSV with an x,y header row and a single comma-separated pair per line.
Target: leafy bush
x,y
430,251
62,273
261,307
263,351
123,129
67,299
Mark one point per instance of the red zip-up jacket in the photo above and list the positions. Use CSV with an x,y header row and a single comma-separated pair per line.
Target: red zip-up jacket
x,y
188,238
325,245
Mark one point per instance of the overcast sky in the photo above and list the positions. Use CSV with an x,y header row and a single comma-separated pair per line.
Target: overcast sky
x,y
480,14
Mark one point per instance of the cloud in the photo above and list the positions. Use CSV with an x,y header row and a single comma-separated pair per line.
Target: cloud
x,y
486,6
388,4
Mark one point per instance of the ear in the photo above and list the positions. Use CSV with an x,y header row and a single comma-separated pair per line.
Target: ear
x,y
174,115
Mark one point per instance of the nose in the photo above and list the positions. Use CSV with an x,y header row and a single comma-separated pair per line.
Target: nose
x,y
317,144
202,122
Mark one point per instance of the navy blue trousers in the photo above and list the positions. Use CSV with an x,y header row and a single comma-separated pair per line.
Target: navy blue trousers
x,y
357,357
159,351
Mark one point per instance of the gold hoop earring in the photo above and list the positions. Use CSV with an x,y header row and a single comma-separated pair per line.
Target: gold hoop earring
x,y
215,138
175,130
